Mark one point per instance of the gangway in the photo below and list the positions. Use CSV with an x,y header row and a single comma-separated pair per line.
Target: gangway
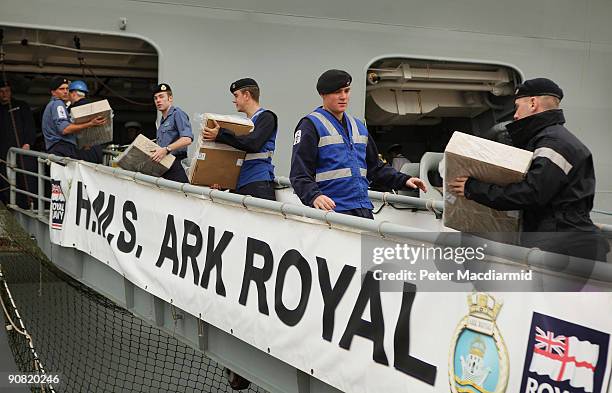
x,y
282,294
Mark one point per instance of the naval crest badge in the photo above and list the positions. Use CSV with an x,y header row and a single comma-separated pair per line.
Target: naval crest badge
x,y
478,358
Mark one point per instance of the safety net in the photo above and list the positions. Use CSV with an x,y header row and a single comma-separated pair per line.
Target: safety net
x,y
60,326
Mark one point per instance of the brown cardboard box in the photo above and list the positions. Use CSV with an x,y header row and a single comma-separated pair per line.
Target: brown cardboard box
x,y
488,161
216,163
94,135
137,158
239,125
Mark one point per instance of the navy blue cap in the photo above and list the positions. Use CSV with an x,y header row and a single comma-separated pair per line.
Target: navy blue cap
x,y
538,87
243,83
394,147
56,82
162,88
332,80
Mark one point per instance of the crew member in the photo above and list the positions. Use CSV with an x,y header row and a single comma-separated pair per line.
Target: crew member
x,y
78,95
557,193
132,130
16,130
396,157
257,172
173,134
59,132
334,157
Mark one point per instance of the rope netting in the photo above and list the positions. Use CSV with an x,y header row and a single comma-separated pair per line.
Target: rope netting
x,y
92,343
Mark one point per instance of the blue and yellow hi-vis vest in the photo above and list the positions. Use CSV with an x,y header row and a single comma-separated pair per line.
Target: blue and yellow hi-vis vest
x,y
341,165
258,166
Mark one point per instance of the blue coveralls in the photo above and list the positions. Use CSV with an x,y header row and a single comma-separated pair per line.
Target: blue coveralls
x,y
172,127
55,119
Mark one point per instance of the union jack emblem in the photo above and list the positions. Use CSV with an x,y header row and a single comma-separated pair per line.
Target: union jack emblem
x,y
565,357
547,342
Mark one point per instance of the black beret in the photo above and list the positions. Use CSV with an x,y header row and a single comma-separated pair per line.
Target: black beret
x,y
4,83
242,83
394,147
538,87
56,82
162,88
332,80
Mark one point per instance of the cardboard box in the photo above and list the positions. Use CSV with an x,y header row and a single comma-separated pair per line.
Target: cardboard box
x,y
93,135
137,158
239,125
216,163
488,161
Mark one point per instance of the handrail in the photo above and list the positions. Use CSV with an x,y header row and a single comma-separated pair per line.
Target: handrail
x,y
418,202
388,197
516,254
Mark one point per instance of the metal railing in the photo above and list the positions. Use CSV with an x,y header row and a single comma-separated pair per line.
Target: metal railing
x,y
511,253
389,197
13,169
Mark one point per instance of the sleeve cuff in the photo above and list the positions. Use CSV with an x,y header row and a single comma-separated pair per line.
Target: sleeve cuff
x,y
62,125
314,197
225,131
402,182
470,182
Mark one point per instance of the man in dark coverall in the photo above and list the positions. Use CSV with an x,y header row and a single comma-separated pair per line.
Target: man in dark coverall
x,y
78,94
335,158
21,134
557,193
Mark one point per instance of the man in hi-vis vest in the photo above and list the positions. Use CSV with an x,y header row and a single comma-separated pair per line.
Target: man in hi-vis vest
x,y
257,172
334,158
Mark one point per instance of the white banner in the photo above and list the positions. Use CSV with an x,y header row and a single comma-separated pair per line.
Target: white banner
x,y
293,288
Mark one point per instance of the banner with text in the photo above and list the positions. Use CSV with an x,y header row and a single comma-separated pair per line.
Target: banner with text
x,y
295,289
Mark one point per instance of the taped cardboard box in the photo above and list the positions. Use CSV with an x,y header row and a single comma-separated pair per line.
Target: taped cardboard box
x,y
137,158
488,161
93,135
238,125
216,164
